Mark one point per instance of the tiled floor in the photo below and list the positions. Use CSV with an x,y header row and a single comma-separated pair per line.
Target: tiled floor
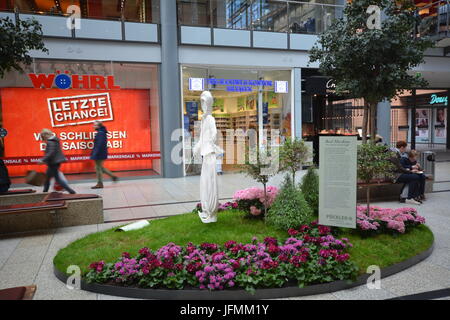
x,y
27,258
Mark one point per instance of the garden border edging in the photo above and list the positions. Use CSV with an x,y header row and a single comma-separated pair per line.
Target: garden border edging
x,y
270,293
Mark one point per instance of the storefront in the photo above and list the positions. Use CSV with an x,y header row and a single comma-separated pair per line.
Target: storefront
x,y
244,100
67,97
420,118
324,112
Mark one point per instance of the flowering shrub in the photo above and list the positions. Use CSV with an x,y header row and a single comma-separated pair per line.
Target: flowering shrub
x,y
310,255
381,220
290,208
251,200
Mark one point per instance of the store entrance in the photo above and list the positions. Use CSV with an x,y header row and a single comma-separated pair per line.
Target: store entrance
x,y
428,119
248,105
325,113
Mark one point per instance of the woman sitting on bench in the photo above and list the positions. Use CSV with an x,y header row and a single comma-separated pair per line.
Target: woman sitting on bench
x,y
403,175
411,164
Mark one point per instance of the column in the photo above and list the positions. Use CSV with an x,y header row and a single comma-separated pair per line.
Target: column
x,y
297,101
170,90
384,120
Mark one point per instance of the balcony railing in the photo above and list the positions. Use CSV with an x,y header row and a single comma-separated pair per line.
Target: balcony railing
x,y
434,19
259,15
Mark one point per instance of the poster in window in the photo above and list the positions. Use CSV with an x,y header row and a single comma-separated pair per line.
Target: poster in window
x,y
70,114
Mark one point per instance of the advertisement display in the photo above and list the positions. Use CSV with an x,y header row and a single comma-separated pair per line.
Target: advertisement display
x,y
440,125
337,181
70,114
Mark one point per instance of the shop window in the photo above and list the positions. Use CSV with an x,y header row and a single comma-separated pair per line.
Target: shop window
x,y
6,5
241,111
313,17
269,15
430,118
194,12
125,96
131,10
142,11
231,14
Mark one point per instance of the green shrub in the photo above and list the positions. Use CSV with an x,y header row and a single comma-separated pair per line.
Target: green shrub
x,y
310,189
290,209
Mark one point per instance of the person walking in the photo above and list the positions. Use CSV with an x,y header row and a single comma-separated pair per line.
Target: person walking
x,y
100,154
5,182
53,158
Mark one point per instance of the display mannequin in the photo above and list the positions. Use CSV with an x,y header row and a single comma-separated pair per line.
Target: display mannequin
x,y
207,148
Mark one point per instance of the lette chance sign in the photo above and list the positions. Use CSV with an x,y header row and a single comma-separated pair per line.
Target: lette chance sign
x,y
337,181
74,110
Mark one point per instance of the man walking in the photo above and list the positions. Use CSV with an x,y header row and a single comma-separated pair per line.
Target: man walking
x,y
100,154
53,158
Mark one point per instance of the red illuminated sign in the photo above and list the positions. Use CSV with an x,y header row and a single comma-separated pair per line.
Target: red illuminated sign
x,y
75,81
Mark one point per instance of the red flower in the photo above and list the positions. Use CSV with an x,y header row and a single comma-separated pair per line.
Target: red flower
x,y
237,248
323,230
304,228
193,267
293,232
229,244
342,257
273,249
126,255
211,247
144,252
270,240
97,266
297,260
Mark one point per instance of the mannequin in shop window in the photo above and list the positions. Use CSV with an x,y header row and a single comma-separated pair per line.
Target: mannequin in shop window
x,y
207,148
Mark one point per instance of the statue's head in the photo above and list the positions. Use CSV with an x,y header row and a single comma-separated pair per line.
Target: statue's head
x,y
206,100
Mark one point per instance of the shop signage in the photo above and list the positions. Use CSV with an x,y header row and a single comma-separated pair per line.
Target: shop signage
x,y
196,84
435,99
237,85
74,81
124,112
337,181
19,161
69,111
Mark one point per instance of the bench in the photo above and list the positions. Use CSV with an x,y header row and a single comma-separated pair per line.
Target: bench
x,y
18,293
386,190
59,196
79,210
32,207
31,216
17,191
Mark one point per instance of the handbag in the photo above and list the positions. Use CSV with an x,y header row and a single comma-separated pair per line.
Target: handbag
x,y
35,178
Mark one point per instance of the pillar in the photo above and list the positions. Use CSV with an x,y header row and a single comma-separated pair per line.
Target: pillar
x,y
170,90
384,120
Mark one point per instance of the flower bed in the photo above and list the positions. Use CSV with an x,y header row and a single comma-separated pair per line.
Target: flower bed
x,y
382,220
310,255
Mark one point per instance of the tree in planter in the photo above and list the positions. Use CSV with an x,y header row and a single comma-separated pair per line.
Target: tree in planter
x,y
293,154
290,209
310,189
16,41
373,163
368,62
261,165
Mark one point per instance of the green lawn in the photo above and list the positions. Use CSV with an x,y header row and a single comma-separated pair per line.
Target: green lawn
x,y
382,250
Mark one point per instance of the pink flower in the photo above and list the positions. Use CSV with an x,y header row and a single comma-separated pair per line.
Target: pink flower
x,y
255,211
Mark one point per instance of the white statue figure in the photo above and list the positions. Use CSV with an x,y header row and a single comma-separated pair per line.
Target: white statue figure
x,y
206,146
